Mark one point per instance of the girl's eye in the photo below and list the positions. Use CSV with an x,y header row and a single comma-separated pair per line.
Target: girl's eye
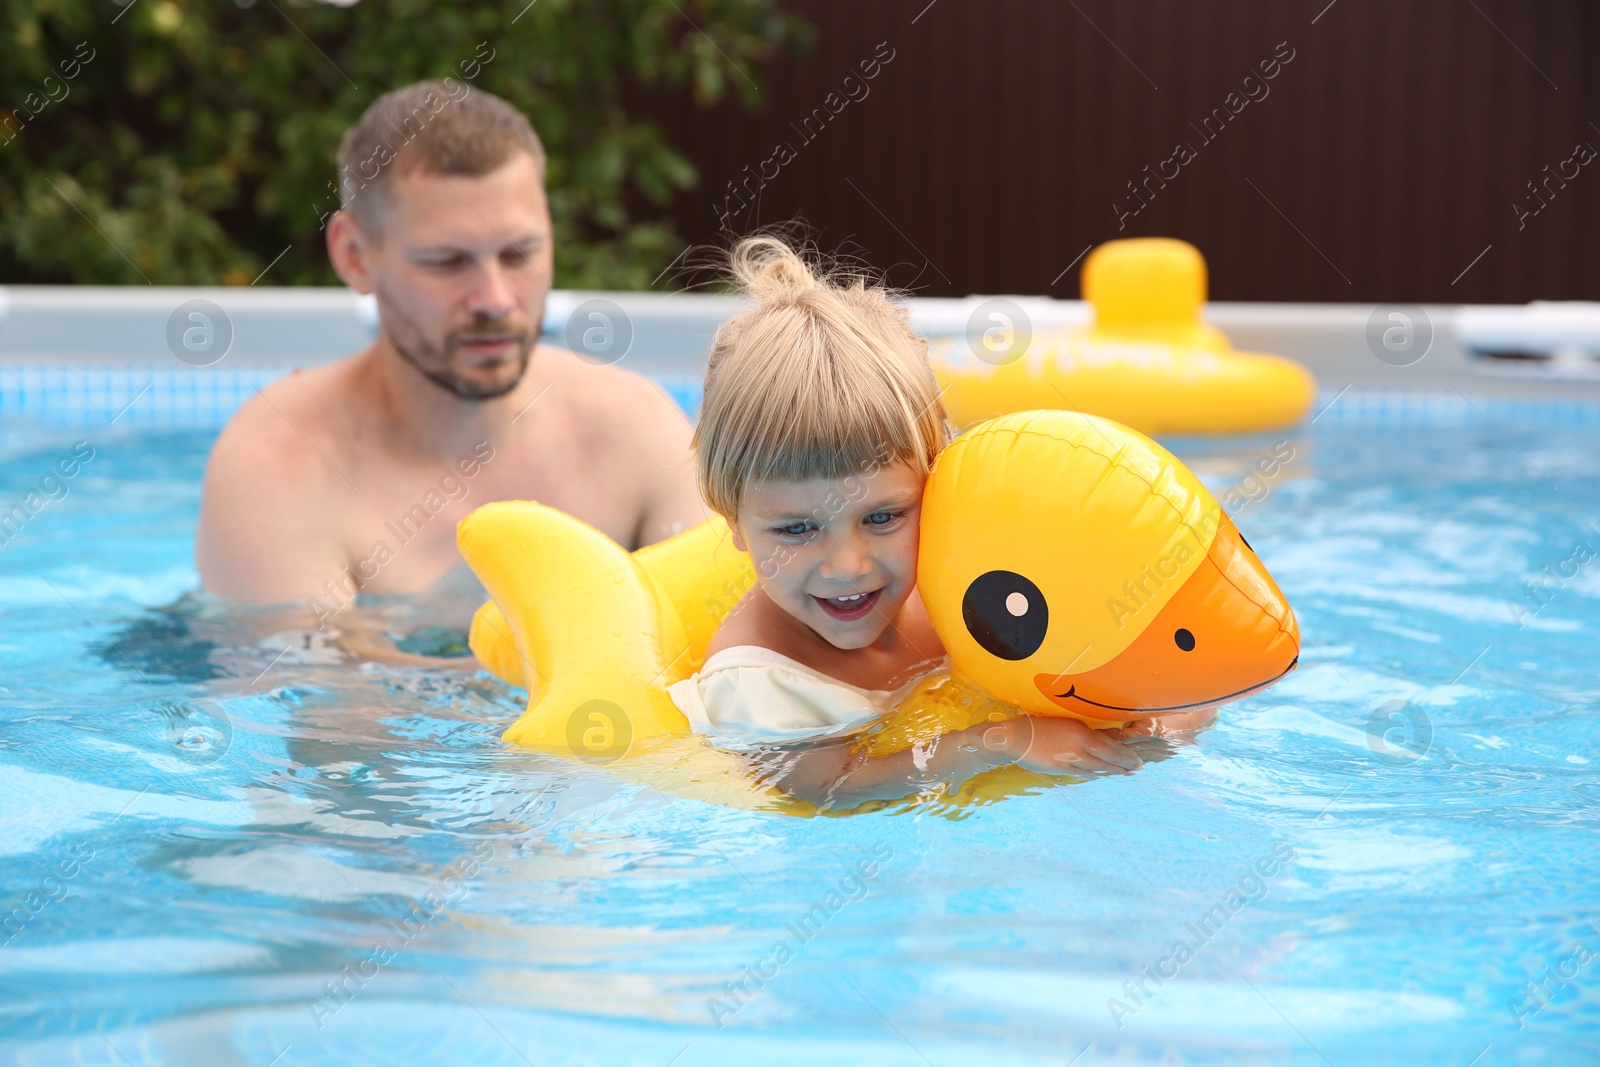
x,y
795,529
882,518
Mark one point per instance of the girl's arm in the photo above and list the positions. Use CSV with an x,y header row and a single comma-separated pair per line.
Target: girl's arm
x,y
1171,723
832,773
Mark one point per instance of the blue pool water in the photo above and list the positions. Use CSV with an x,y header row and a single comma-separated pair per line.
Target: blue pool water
x,y
215,852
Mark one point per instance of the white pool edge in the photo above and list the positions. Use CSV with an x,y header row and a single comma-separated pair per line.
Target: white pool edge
x,y
65,349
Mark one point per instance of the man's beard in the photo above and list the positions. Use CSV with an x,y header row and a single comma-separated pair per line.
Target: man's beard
x,y
435,363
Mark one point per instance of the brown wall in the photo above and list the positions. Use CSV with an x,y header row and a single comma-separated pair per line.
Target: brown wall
x,y
988,152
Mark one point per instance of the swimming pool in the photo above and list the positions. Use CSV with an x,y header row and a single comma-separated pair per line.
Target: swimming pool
x,y
221,848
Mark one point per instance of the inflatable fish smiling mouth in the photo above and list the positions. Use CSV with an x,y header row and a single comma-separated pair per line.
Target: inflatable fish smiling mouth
x,y
1078,568
1213,642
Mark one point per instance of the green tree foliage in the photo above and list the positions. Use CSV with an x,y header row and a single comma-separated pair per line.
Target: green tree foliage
x,y
191,141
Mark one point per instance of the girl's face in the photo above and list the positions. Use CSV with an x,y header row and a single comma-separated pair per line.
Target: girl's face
x,y
840,555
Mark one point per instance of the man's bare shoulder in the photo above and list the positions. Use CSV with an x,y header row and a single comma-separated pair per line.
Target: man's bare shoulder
x,y
635,436
272,493
622,406
285,430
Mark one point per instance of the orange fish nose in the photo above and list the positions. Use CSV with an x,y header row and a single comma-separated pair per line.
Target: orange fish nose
x,y
1227,633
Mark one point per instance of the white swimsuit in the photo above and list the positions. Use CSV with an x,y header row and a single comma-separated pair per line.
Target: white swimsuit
x,y
747,696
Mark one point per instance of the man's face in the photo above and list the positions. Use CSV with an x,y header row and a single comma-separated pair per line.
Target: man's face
x,y
461,271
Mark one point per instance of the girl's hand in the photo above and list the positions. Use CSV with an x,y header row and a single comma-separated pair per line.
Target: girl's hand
x,y
1172,723
1053,746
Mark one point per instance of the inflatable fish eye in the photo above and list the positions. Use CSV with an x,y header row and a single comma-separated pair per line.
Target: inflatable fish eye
x,y
1184,639
1006,614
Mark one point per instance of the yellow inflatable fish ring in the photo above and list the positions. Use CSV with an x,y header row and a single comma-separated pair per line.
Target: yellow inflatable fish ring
x,y
1148,361
1072,567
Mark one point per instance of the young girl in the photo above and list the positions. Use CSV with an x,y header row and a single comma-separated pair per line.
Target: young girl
x,y
819,424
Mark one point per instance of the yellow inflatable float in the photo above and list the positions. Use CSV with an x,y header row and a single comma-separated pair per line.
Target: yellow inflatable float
x,y
1072,567
1148,360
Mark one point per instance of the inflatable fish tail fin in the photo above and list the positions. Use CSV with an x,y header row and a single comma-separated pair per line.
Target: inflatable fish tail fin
x,y
587,625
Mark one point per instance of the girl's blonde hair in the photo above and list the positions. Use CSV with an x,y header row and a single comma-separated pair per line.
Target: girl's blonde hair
x,y
823,378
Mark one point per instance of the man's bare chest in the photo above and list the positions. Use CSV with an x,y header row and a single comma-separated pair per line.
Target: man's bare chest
x,y
401,521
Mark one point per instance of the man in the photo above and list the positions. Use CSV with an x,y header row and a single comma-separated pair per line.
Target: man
x,y
352,476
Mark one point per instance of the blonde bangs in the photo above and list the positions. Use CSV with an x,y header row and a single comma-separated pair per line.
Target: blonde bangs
x,y
816,381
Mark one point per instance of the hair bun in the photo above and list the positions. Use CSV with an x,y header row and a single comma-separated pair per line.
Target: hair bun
x,y
771,272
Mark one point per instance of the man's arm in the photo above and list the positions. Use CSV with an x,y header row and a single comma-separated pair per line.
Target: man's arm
x,y
670,501
265,536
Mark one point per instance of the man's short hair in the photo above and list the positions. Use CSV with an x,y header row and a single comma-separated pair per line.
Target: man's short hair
x,y
441,126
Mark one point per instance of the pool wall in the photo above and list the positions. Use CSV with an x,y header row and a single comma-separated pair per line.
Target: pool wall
x,y
95,353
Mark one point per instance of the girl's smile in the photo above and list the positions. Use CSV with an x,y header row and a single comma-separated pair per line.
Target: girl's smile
x,y
838,554
849,608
